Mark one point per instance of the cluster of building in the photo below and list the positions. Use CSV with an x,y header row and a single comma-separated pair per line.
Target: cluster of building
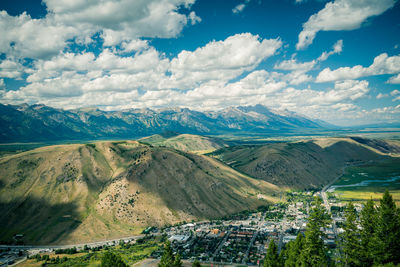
x,y
240,241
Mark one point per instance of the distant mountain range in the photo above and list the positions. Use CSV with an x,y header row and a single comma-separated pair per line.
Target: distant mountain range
x,y
27,123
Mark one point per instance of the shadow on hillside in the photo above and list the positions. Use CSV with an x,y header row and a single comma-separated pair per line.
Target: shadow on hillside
x,y
189,184
38,221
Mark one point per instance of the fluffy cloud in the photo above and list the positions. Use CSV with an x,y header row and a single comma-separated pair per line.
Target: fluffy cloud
x,y
385,113
12,69
337,49
298,70
76,75
193,18
220,60
240,7
292,64
394,79
67,21
383,64
24,37
346,90
134,45
125,19
341,15
380,96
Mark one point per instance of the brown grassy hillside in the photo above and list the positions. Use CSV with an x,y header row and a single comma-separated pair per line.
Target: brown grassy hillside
x,y
302,165
186,142
76,193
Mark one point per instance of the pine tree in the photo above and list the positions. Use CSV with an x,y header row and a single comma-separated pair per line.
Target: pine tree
x,y
314,251
351,238
387,231
167,259
272,258
294,250
368,219
111,260
178,261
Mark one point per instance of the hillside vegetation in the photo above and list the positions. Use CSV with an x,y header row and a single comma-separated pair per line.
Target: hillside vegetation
x,y
305,164
75,193
186,142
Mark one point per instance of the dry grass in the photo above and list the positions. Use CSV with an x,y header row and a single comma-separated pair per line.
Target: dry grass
x,y
74,193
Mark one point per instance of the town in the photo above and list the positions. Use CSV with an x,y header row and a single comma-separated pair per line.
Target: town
x,y
240,239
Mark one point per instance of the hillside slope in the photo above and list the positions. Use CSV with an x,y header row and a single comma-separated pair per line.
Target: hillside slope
x,y
75,193
301,165
186,142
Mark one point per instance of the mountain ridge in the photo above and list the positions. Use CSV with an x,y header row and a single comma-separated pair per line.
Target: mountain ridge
x,y
26,123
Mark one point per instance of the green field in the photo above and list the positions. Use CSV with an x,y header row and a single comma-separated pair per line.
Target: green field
x,y
376,176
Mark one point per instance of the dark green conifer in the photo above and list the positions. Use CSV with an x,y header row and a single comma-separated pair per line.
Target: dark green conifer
x,y
294,250
109,259
351,238
387,232
314,251
178,261
167,259
272,257
368,217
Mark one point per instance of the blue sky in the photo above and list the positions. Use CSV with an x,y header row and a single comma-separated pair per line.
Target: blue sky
x,y
338,60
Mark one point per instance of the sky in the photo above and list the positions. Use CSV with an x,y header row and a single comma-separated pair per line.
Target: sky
x,y
337,61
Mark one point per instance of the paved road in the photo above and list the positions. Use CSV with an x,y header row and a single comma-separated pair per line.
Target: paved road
x,y
325,198
249,247
222,243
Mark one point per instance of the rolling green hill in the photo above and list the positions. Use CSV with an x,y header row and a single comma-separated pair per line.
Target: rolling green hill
x,y
306,164
82,192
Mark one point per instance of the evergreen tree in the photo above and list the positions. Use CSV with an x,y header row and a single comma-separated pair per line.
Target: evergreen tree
x,y
351,238
178,261
272,258
314,251
167,259
111,260
387,232
368,219
294,250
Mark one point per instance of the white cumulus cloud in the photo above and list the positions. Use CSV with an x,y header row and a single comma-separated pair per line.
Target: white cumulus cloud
x,y
77,21
341,15
220,60
383,64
